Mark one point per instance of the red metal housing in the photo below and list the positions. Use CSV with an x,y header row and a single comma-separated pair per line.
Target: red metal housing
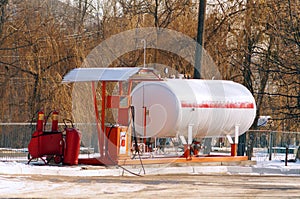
x,y
72,147
46,144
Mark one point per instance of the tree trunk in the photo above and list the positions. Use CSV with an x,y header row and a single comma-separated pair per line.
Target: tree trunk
x,y
3,4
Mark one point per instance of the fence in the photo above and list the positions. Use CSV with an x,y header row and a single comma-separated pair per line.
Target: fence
x,y
264,142
14,139
273,145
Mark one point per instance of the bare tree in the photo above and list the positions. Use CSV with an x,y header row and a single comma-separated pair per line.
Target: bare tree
x,y
256,43
3,4
34,56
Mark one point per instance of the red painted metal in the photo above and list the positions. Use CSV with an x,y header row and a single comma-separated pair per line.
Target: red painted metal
x,y
233,149
102,132
40,121
54,121
187,152
123,116
45,144
99,132
72,147
111,152
112,101
145,124
244,105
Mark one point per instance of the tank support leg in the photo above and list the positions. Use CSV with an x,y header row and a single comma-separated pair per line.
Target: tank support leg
x,y
187,149
233,149
190,134
236,141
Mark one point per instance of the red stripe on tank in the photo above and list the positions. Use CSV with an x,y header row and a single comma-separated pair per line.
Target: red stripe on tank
x,y
240,105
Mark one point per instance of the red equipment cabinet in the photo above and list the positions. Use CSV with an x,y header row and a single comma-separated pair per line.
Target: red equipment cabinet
x,y
72,146
116,146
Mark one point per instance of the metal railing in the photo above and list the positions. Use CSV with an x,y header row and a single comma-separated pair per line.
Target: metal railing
x,y
14,139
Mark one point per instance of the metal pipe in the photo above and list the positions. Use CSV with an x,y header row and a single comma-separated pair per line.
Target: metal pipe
x,y
145,124
229,139
236,138
190,134
286,154
103,95
145,45
97,118
270,146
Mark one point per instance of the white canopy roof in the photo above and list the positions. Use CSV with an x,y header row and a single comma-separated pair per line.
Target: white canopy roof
x,y
101,74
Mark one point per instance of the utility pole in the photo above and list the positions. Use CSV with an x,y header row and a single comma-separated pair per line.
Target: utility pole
x,y
198,57
200,33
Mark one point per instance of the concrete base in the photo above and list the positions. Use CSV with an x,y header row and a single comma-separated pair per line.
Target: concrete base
x,y
223,160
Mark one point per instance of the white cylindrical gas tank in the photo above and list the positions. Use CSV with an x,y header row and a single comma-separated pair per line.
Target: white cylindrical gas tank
x,y
212,107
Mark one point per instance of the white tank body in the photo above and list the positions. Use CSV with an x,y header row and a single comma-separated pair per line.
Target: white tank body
x,y
212,107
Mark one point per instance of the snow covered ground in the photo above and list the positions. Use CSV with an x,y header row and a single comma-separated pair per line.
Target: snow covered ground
x,y
266,178
262,166
20,180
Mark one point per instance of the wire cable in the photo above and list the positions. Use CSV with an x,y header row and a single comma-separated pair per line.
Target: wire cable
x,y
109,157
135,137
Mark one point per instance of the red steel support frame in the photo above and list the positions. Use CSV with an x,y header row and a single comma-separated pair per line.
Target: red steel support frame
x,y
103,95
100,129
145,125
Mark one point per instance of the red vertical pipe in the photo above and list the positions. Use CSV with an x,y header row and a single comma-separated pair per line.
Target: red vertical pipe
x,y
145,124
103,95
129,88
97,117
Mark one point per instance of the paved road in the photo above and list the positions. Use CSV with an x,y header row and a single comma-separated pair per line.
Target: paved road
x,y
179,186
